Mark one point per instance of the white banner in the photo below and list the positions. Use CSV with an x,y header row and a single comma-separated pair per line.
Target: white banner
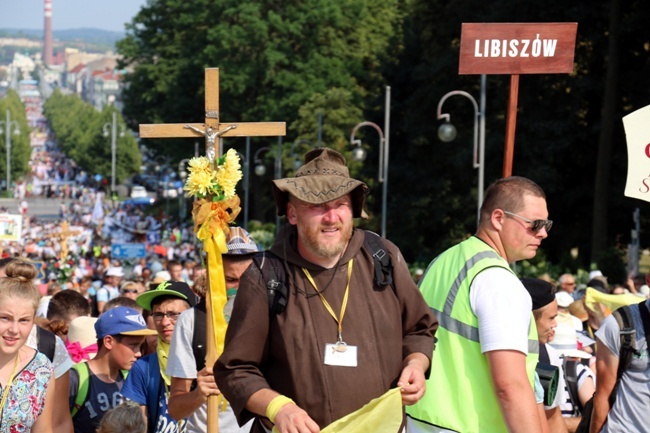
x,y
11,227
637,131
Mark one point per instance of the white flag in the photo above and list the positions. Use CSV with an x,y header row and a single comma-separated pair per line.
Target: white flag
x,y
98,210
637,132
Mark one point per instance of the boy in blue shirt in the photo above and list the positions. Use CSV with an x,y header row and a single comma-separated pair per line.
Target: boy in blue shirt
x,y
147,383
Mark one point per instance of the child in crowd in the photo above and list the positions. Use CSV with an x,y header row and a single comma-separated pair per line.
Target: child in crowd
x,y
95,386
26,376
125,418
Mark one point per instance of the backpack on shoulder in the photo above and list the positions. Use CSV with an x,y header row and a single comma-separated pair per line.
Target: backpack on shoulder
x,y
83,371
274,273
623,316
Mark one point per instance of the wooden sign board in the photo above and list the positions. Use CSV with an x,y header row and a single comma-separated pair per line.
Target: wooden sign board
x,y
517,48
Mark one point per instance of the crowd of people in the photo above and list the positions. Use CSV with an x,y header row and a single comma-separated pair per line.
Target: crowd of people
x,y
327,326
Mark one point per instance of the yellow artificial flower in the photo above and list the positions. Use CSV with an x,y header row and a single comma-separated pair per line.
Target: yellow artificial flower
x,y
198,183
229,173
200,163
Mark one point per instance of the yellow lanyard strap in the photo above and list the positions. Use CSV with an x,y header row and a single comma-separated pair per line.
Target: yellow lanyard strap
x,y
5,392
338,321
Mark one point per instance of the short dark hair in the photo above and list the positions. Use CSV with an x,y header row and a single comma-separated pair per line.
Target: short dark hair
x,y
67,303
508,194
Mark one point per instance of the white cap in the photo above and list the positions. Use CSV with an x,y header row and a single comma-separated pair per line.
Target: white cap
x,y
566,342
115,272
594,274
564,299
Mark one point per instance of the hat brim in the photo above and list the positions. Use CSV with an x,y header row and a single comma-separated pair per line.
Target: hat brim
x,y
140,333
319,189
144,299
574,353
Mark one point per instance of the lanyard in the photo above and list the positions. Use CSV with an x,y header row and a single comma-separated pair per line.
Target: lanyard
x,y
339,321
5,392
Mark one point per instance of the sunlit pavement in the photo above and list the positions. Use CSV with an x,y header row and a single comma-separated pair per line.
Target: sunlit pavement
x,y
43,208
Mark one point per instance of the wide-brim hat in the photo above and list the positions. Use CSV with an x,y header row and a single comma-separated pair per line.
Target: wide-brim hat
x,y
323,178
177,289
566,342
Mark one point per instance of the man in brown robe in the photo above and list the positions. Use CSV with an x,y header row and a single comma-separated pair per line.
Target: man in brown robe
x,y
342,339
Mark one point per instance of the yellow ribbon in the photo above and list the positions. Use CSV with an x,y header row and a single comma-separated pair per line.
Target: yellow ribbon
x,y
215,246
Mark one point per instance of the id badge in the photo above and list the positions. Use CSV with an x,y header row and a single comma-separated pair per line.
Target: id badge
x,y
341,355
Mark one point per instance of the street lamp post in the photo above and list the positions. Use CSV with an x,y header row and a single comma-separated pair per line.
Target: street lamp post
x,y
113,132
5,127
182,173
359,154
297,163
447,133
260,170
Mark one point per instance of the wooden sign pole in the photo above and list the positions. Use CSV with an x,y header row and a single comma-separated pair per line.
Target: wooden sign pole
x,y
511,126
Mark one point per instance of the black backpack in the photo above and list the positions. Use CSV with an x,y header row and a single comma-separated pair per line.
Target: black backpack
x,y
272,269
46,342
623,316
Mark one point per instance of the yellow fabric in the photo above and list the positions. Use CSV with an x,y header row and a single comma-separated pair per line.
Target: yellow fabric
x,y
215,246
275,405
611,302
162,351
381,415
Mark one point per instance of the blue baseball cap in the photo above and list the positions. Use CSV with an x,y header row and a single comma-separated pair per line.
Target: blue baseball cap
x,y
122,321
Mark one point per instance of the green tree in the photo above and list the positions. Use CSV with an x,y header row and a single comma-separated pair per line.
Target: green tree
x,y
79,130
20,144
273,56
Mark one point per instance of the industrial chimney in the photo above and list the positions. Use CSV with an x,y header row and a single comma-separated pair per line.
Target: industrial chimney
x,y
47,37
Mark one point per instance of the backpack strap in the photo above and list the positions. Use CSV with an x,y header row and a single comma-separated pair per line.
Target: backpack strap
x,y
46,342
627,333
570,367
645,318
153,393
383,265
84,384
273,272
199,335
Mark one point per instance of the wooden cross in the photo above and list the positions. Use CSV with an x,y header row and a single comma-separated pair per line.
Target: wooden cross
x,y
211,130
64,234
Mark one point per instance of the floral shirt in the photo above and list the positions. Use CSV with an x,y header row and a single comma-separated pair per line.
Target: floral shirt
x,y
27,396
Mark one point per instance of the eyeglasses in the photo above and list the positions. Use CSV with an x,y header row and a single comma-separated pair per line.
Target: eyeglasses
x,y
535,225
171,315
129,290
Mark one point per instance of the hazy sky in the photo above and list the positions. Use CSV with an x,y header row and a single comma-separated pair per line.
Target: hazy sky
x,y
69,14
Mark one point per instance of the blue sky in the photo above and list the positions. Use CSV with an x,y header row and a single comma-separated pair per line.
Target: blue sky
x,y
69,14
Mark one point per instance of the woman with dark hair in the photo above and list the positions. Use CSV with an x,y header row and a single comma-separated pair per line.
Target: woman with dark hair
x,y
26,376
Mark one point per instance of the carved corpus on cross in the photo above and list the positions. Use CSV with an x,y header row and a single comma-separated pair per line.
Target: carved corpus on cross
x,y
64,234
212,129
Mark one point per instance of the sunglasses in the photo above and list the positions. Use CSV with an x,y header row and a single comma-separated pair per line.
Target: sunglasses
x,y
130,291
535,225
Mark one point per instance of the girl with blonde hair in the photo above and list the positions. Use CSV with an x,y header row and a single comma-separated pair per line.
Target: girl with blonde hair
x,y
26,376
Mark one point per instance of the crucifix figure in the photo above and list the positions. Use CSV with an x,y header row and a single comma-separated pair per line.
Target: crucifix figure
x,y
64,234
210,138
211,130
